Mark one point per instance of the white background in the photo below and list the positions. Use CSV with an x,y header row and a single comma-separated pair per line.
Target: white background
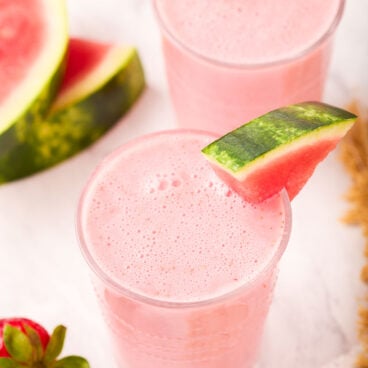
x,y
43,276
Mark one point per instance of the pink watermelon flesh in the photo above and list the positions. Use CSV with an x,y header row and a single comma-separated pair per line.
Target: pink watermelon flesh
x,y
290,171
279,149
21,40
83,56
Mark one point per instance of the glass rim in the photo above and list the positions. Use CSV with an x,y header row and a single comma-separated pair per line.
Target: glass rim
x,y
126,292
329,32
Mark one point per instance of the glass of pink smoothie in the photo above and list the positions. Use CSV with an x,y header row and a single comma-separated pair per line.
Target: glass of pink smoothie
x,y
229,61
183,267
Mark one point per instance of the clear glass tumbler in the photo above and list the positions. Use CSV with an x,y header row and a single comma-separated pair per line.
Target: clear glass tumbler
x,y
213,331
216,95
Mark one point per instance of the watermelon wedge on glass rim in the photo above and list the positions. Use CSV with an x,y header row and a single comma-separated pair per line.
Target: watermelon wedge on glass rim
x,y
100,84
278,150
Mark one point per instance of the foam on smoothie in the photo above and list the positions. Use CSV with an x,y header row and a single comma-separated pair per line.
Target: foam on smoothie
x,y
248,31
158,221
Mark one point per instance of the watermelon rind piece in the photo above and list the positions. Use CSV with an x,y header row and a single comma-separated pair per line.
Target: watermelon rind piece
x,y
33,95
79,116
279,149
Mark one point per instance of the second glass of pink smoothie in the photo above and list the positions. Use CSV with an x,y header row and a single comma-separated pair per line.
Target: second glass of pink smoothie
x,y
229,61
183,267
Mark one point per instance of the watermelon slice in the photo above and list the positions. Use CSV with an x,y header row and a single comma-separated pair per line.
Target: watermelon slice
x,y
101,82
279,149
33,42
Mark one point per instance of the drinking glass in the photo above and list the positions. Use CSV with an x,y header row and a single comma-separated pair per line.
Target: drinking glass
x,y
215,332
216,95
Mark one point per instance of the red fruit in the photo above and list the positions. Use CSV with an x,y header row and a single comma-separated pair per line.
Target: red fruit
x,y
25,343
19,323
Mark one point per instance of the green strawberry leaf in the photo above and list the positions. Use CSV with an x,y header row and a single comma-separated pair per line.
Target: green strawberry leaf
x,y
35,340
72,362
9,363
18,344
55,345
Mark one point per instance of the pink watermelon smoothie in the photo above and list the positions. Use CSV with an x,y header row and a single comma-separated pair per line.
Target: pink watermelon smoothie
x,y
230,61
184,268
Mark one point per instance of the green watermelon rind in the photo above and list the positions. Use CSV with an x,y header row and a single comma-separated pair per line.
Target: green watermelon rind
x,y
13,142
276,134
77,121
34,95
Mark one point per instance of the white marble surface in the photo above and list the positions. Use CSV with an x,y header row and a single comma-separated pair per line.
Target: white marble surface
x,y
312,323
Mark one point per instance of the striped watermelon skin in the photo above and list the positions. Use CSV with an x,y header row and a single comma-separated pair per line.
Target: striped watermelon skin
x,y
71,127
279,149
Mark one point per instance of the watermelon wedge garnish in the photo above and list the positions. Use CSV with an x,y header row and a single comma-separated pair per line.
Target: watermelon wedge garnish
x,y
279,149
101,82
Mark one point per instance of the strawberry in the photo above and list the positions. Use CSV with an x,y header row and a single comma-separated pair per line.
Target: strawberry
x,y
26,344
19,323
